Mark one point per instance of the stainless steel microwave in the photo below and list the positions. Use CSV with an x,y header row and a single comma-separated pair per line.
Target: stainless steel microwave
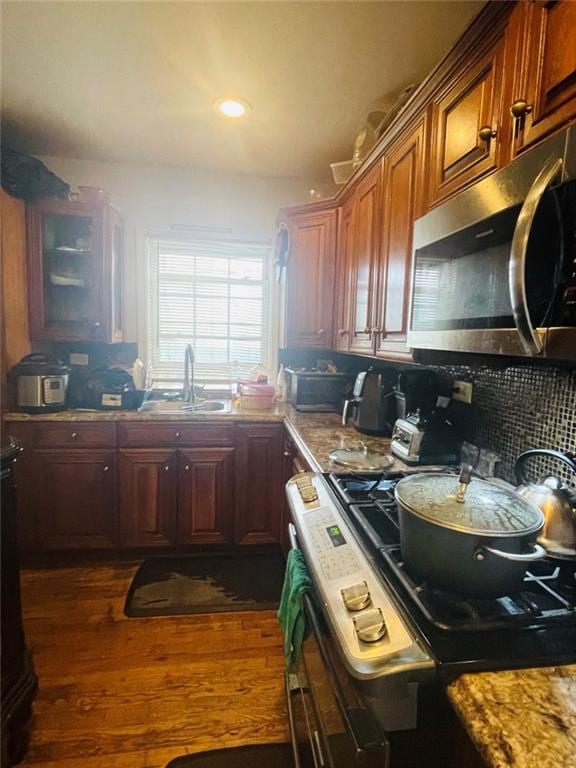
x,y
495,266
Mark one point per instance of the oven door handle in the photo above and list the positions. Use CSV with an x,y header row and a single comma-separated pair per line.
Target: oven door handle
x,y
517,267
359,723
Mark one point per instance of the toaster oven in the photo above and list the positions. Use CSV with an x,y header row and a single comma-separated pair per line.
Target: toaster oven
x,y
317,390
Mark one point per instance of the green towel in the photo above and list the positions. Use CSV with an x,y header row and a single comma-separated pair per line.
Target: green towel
x,y
291,612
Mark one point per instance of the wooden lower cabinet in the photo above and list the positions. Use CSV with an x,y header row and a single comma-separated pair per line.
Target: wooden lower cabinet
x,y
205,496
259,483
148,478
75,498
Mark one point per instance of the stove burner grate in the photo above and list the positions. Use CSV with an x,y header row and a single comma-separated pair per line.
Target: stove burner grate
x,y
544,600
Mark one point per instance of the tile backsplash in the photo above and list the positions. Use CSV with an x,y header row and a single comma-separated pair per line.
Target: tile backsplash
x,y
514,407
520,407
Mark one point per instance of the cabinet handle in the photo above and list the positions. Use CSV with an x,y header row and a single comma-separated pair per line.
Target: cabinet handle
x,y
343,331
178,435
97,324
520,108
288,454
321,331
187,468
106,468
74,435
486,133
166,467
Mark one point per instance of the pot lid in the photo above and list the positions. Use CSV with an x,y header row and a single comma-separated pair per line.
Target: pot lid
x,y
38,364
361,458
469,505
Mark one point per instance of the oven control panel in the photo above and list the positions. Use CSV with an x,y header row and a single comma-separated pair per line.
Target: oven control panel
x,y
371,630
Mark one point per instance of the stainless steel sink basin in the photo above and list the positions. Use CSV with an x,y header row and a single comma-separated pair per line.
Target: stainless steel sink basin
x,y
171,407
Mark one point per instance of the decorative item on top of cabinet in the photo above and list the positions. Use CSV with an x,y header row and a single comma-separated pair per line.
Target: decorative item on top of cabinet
x,y
259,483
75,267
466,124
403,201
364,260
544,95
308,280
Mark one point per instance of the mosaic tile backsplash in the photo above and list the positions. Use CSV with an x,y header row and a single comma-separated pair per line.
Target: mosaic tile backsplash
x,y
514,408
521,407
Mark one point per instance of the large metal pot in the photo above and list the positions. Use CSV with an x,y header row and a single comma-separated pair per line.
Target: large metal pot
x,y
469,536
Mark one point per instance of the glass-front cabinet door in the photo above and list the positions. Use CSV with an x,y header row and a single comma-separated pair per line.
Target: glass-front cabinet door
x,y
74,271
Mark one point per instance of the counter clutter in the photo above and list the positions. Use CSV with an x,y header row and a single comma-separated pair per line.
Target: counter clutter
x,y
520,718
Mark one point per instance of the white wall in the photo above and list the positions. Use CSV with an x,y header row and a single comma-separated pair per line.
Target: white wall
x,y
156,198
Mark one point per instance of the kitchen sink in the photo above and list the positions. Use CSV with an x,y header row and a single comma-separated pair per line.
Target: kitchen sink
x,y
171,407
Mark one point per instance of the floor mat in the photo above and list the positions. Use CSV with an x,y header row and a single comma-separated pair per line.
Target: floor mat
x,y
168,586
252,756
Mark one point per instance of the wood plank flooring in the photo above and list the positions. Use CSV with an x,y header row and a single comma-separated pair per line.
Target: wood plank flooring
x,y
135,693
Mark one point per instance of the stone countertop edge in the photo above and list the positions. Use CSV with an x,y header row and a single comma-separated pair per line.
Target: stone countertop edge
x,y
520,718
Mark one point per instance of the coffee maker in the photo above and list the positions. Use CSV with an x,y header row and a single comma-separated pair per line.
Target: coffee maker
x,y
423,433
373,403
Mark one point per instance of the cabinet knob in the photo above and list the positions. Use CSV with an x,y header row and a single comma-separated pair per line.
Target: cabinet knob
x,y
321,331
178,435
187,468
97,324
368,331
166,467
520,108
106,468
376,329
486,133
342,331
74,435
288,454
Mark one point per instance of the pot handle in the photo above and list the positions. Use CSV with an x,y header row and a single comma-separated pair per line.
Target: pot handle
x,y
566,458
537,553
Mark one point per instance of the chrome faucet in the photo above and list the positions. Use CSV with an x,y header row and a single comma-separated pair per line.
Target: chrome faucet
x,y
188,388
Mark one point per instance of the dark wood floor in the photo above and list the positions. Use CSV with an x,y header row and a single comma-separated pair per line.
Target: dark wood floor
x,y
135,693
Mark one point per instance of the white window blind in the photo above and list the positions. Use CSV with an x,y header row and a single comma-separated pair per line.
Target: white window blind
x,y
213,295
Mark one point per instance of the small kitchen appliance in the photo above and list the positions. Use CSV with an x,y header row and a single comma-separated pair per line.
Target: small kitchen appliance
x,y
317,391
41,382
556,500
423,433
373,404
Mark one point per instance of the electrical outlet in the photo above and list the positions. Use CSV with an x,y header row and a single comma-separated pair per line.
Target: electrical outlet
x,y
462,391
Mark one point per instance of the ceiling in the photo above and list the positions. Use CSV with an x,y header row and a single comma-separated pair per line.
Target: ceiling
x,y
136,81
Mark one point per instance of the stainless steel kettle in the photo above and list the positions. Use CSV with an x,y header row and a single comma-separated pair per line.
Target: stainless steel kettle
x,y
556,500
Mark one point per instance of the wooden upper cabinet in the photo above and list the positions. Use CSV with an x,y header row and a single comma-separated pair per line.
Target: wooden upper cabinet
x,y
466,125
346,232
148,478
402,202
309,280
363,261
205,496
75,267
75,499
544,91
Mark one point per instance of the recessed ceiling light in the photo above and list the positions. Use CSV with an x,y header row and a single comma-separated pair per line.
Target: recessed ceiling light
x,y
233,107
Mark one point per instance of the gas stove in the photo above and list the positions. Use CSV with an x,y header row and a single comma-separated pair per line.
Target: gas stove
x,y
534,627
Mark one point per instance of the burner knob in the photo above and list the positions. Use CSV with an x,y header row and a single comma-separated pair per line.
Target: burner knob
x,y
370,626
356,597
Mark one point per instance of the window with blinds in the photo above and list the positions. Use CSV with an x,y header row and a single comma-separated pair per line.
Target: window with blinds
x,y
213,295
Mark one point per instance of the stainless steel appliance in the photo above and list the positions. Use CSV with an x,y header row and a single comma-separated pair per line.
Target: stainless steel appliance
x,y
556,500
383,640
373,405
423,433
317,391
41,382
495,267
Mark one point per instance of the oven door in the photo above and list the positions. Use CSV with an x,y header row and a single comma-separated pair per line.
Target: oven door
x,y
329,723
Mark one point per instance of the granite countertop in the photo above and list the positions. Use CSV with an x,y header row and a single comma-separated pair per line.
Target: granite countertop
x,y
524,718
